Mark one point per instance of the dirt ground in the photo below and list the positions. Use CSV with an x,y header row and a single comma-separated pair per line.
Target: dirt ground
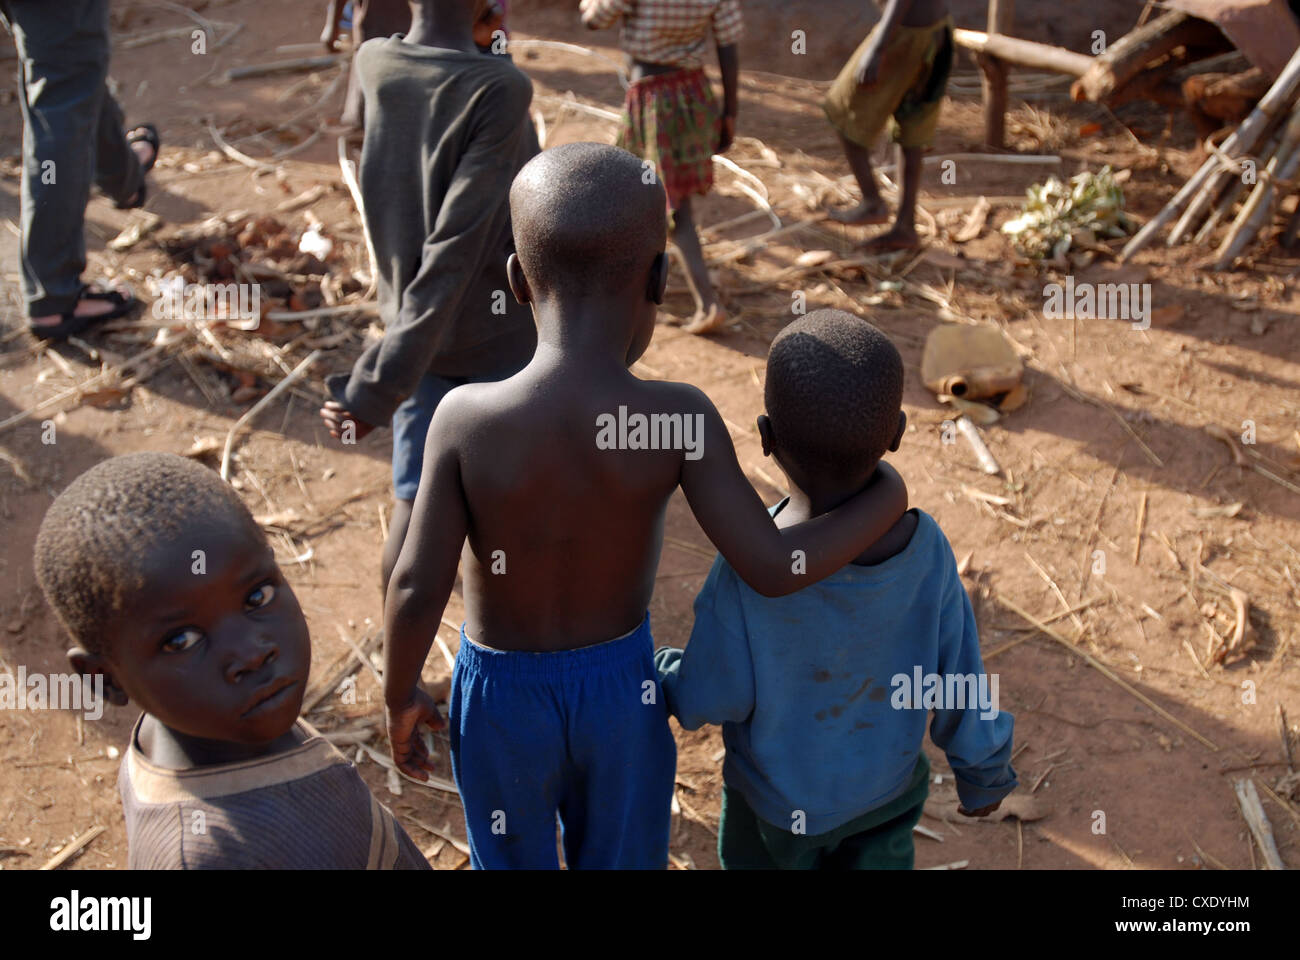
x,y
1114,452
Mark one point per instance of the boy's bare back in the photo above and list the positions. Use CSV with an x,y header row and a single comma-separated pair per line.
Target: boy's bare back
x,y
564,532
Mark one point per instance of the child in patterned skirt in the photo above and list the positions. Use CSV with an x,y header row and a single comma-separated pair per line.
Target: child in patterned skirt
x,y
671,116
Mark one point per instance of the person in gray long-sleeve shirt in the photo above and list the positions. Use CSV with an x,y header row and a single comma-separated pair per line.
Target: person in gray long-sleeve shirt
x,y
447,129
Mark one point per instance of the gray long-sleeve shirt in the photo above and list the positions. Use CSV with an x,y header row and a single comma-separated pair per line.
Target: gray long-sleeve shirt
x,y
446,132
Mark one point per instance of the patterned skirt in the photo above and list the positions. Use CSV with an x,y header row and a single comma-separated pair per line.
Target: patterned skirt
x,y
673,120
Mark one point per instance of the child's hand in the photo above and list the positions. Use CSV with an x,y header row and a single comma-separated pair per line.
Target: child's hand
x,y
337,417
981,812
728,132
868,67
409,752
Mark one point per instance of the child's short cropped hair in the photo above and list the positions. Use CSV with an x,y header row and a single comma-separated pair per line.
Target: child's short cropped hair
x,y
99,531
833,392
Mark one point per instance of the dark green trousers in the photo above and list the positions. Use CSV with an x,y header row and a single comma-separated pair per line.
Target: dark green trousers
x,y
880,839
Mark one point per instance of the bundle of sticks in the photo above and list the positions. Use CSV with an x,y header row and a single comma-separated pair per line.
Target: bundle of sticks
x,y
1247,173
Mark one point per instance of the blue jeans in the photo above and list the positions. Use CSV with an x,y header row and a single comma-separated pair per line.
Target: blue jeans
x,y
411,426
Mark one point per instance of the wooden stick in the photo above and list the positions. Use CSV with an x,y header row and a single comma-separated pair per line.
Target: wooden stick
x,y
1104,670
1258,207
1041,777
441,835
1024,53
1284,731
282,66
340,670
66,854
105,374
1126,57
1230,172
348,169
1137,536
1065,604
261,405
1242,139
360,655
993,73
1252,811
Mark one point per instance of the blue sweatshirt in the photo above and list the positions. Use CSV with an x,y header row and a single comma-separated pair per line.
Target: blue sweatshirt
x,y
823,694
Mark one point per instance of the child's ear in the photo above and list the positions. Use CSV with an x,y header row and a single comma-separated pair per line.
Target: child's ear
x,y
518,282
91,664
765,434
898,437
658,285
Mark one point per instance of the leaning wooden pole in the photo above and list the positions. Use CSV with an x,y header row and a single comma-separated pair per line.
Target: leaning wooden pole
x,y
1223,207
1258,208
1243,139
994,76
1198,205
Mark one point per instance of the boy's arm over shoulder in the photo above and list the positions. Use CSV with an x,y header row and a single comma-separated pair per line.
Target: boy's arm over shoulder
x,y
771,561
712,680
470,223
601,14
977,738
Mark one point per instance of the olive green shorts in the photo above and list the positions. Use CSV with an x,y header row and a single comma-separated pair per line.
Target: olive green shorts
x,y
908,90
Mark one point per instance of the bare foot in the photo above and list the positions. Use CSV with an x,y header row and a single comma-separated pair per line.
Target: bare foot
x,y
84,308
863,214
898,238
707,321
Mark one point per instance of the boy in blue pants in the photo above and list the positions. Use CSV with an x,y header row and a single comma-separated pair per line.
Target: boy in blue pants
x,y
548,491
823,694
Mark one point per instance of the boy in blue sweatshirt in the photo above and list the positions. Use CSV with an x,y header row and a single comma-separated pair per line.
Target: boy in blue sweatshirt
x,y
823,694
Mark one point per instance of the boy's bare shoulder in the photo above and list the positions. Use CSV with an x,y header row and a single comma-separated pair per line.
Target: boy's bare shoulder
x,y
473,409
676,397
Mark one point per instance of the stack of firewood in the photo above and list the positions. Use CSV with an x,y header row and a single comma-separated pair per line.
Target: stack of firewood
x,y
1243,180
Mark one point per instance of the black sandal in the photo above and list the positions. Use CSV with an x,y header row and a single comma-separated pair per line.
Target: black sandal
x,y
70,324
146,133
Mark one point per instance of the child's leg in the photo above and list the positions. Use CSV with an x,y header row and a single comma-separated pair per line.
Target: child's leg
x,y
616,809
873,208
886,842
741,841
902,235
507,730
709,315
